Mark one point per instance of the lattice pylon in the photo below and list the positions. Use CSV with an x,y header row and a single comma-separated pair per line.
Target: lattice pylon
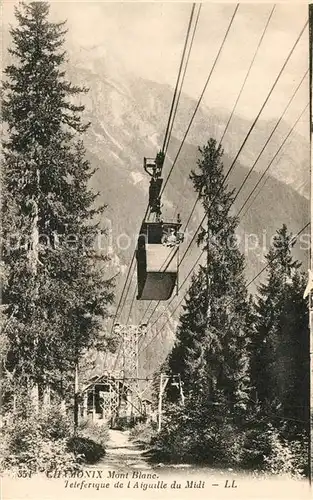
x,y
111,399
127,364
130,351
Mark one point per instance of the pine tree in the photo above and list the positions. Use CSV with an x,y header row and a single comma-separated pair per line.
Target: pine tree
x,y
192,323
211,348
56,294
280,343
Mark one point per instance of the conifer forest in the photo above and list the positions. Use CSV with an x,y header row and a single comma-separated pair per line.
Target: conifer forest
x,y
155,243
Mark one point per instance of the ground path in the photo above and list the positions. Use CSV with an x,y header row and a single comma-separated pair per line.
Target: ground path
x,y
124,456
121,453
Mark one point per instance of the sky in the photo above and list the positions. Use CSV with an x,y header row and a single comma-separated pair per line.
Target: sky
x,y
147,38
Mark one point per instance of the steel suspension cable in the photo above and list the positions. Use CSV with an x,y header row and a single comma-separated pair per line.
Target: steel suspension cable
x,y
183,78
201,96
248,284
263,105
196,108
246,138
255,187
293,240
252,126
268,167
237,100
123,290
255,197
248,73
165,141
178,76
203,251
270,136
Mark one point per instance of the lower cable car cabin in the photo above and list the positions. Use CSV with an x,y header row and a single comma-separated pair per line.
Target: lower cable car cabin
x,y
156,255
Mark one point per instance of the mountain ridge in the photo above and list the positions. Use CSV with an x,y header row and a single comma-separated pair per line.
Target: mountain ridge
x,y
128,115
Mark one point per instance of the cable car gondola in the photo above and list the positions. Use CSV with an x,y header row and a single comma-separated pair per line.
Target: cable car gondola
x,y
157,265
158,242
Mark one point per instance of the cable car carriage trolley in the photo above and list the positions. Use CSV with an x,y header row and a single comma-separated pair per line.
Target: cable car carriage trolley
x,y
158,243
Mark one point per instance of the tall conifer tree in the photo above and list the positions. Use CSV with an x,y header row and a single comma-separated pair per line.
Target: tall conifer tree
x,y
280,343
211,347
56,296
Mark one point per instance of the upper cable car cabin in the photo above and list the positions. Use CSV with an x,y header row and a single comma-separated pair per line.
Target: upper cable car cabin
x,y
156,255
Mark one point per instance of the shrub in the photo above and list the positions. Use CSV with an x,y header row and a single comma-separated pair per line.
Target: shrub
x,y
175,442
220,443
124,423
24,447
265,448
98,433
54,424
85,449
144,432
42,441
191,435
289,458
216,439
36,442
256,446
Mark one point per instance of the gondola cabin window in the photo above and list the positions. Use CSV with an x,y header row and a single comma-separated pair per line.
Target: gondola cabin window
x,y
157,260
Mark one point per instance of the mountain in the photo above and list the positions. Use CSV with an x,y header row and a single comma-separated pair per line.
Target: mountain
x,y
128,116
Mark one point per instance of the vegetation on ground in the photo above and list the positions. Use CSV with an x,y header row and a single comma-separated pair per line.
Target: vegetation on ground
x,y
54,293
243,360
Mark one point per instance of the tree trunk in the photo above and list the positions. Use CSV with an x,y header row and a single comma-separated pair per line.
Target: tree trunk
x,y
47,396
34,395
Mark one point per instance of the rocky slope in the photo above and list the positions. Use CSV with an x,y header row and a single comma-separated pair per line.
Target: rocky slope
x,y
128,117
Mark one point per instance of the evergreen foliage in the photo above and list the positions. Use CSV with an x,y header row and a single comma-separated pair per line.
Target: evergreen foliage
x,y
211,349
244,366
55,293
280,341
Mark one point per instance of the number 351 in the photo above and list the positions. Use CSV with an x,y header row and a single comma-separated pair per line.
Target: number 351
x,y
24,473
